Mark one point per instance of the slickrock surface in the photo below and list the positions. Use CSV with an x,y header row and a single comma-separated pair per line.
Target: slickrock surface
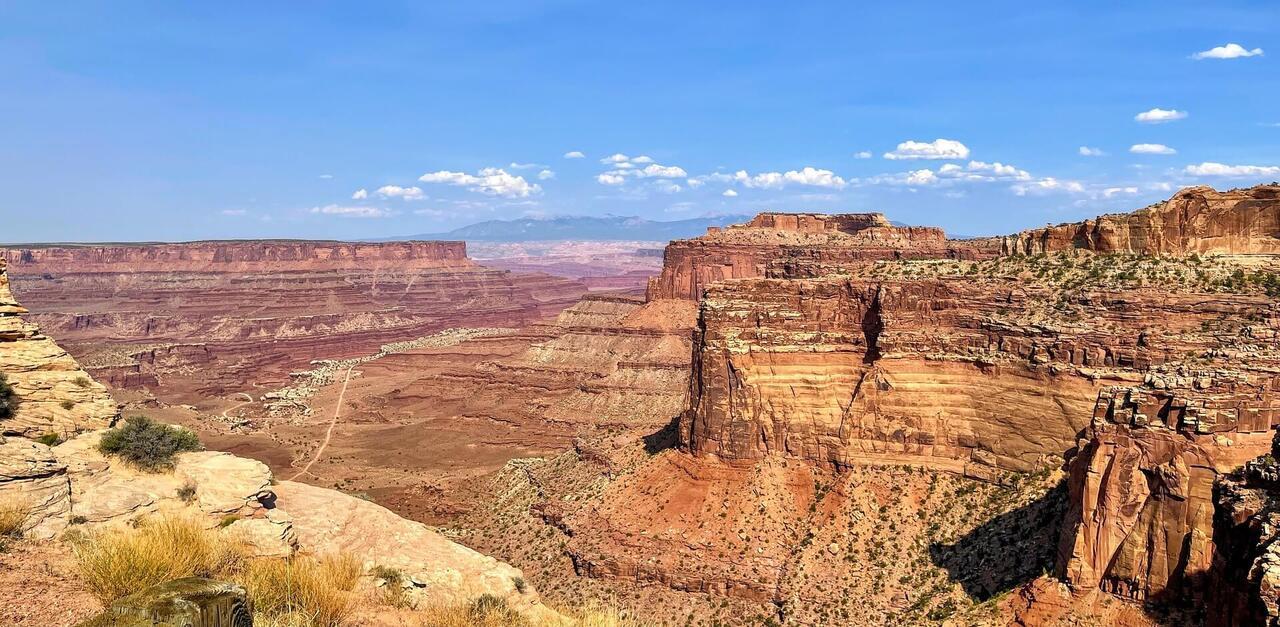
x,y
54,394
1195,220
744,251
207,318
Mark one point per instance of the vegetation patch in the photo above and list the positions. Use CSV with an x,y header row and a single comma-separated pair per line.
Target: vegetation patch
x,y
147,444
301,590
8,398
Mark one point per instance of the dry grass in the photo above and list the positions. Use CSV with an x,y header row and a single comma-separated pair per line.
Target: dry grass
x,y
490,611
13,518
120,562
301,590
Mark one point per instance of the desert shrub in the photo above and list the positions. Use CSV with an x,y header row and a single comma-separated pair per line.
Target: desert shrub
x,y
67,404
119,562
187,493
148,444
302,590
8,398
13,517
49,439
82,381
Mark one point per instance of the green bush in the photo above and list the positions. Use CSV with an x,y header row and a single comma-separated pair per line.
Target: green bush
x,y
148,444
50,439
8,398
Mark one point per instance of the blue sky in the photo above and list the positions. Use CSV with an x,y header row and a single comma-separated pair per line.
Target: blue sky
x,y
164,120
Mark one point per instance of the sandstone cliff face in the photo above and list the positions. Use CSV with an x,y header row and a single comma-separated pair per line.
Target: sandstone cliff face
x,y
54,394
1243,586
1195,220
746,251
942,372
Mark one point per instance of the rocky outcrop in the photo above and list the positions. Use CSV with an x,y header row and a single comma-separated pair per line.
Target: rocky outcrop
x,y
748,250
1243,586
1195,220
53,394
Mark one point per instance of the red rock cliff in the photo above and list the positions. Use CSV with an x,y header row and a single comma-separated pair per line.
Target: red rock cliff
x,y
237,256
1195,220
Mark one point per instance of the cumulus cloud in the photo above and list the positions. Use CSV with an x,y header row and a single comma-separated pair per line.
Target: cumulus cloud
x,y
862,154
663,171
809,176
937,149
1210,168
642,159
489,181
545,175
1229,51
611,178
1160,116
1152,149
233,212
525,166
360,194
616,158
921,177
1047,185
729,193
574,154
1086,151
351,211
395,191
1116,191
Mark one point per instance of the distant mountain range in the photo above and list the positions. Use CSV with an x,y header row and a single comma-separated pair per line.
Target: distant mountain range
x,y
579,228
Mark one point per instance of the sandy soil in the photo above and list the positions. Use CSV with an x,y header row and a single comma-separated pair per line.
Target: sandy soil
x,y
40,586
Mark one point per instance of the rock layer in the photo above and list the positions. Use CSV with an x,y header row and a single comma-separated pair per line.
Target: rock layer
x,y
1195,220
54,395
207,318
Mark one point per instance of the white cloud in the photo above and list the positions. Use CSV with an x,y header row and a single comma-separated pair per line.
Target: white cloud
x,y
729,193
694,183
1116,191
611,178
862,154
663,171
1047,185
489,181
616,158
937,149
545,175
776,180
233,212
1160,116
525,166
360,194
996,170
574,154
352,212
395,191
1152,149
1086,151
326,176
642,159
921,177
1209,168
1229,51
667,187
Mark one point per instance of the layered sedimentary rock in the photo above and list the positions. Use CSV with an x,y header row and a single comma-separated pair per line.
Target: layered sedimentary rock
x,y
1243,586
1195,220
745,251
241,313
52,393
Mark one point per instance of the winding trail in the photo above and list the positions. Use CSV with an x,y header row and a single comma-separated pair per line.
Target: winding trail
x,y
226,412
337,413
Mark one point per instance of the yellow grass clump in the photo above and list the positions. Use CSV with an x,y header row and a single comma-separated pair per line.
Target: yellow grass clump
x,y
13,518
123,561
301,590
491,611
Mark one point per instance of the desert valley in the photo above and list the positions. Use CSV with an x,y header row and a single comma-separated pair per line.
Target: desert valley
x,y
800,419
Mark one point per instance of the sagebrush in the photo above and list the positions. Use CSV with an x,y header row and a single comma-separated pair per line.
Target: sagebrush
x,y
148,444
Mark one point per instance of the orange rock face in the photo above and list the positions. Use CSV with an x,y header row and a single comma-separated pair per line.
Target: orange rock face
x,y
1195,220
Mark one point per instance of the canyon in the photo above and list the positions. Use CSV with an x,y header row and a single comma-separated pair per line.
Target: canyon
x,y
808,419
